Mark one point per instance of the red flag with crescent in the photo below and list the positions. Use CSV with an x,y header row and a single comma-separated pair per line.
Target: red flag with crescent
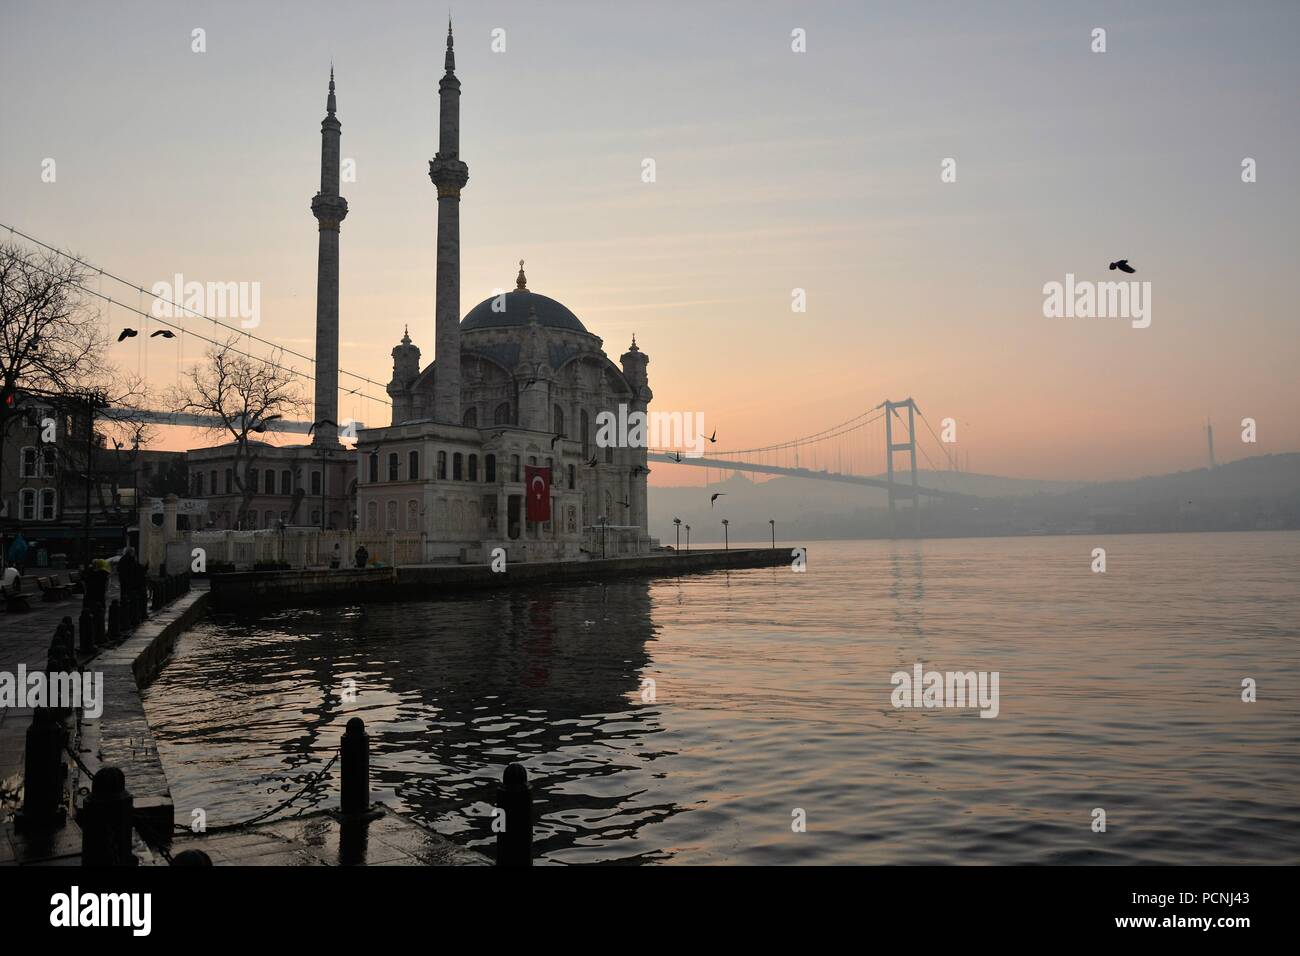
x,y
538,480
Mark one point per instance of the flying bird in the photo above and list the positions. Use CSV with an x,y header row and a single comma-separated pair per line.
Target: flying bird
x,y
716,496
1123,266
260,427
714,437
555,439
165,333
625,504
677,456
593,462
323,421
127,334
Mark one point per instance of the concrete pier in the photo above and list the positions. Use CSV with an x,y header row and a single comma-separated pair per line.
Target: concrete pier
x,y
231,591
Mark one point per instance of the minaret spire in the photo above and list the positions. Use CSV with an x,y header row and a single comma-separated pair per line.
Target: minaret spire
x,y
449,175
329,208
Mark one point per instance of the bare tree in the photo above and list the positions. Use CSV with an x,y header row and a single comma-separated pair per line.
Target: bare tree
x,y
53,346
241,395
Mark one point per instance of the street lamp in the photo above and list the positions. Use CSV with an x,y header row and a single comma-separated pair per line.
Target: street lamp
x,y
726,541
688,537
772,523
93,399
678,523
601,520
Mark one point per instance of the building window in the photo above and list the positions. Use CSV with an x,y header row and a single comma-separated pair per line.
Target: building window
x,y
514,467
412,515
442,466
490,468
558,424
573,476
315,518
457,466
315,483
372,516
470,418
198,484
390,515
28,468
252,480
230,480
502,415
47,461
286,482
47,504
27,504
270,515
373,474
392,466
413,466
212,481
270,481
473,467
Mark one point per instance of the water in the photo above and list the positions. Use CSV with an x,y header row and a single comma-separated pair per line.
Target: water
x,y
772,694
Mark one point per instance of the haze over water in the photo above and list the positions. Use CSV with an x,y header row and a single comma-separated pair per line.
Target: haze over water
x,y
1119,690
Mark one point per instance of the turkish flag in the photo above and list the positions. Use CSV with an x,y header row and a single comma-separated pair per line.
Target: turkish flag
x,y
538,480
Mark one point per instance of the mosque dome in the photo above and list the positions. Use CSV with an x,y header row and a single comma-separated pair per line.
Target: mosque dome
x,y
517,306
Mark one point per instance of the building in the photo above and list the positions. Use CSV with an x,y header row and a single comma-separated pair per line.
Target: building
x,y
492,445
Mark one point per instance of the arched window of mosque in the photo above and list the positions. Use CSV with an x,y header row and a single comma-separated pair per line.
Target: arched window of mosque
x,y
390,515
286,482
315,482
198,484
372,515
442,466
585,421
413,466
270,481
252,480
502,414
457,466
470,418
392,466
212,481
572,477
514,467
373,474
412,515
473,467
230,480
558,425
490,468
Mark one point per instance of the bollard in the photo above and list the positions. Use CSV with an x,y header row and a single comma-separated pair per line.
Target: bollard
x,y
43,773
355,772
97,622
106,821
515,798
191,858
86,630
114,622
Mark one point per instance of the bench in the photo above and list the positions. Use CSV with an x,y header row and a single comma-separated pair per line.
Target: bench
x,y
76,583
15,600
52,589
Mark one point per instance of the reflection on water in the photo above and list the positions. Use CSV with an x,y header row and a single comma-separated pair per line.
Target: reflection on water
x,y
1119,691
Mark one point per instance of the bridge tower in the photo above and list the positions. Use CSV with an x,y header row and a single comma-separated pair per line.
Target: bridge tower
x,y
908,446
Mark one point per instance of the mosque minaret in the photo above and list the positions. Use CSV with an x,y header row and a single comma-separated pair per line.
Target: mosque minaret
x,y
329,208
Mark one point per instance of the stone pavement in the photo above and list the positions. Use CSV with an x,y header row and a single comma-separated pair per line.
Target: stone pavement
x,y
321,839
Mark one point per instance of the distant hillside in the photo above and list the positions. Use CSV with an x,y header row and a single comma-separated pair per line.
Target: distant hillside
x,y
1260,492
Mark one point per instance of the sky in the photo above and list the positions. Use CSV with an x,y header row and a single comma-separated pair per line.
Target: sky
x,y
775,170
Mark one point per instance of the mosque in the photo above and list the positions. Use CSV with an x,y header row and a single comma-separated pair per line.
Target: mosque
x,y
492,445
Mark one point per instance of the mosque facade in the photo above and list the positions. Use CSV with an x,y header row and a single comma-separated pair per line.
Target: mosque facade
x,y
492,445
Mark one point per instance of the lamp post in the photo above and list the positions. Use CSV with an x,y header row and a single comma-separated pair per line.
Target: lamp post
x,y
726,541
602,519
688,537
678,523
772,523
93,399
